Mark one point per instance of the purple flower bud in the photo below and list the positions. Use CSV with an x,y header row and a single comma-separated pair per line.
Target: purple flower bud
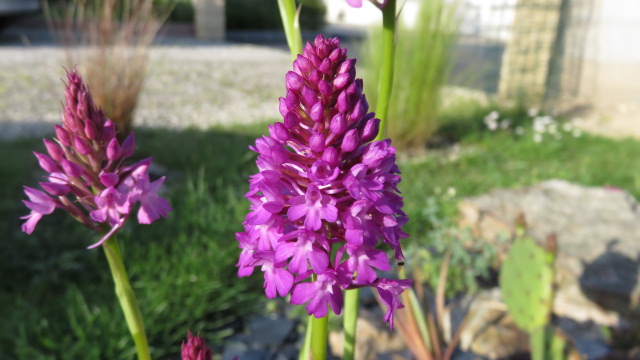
x,y
341,81
338,124
62,135
81,146
325,66
337,55
331,156
53,149
370,130
108,131
278,131
316,143
309,97
113,149
346,67
47,163
350,141
55,189
315,76
317,112
291,120
70,121
128,146
195,348
72,169
292,99
359,109
90,130
325,88
344,103
109,179
294,81
284,109
303,64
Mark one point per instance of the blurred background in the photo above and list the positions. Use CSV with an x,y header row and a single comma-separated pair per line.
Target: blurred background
x,y
501,109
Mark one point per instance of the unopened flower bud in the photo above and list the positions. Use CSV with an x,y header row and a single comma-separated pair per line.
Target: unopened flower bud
x,y
294,81
128,146
54,150
81,146
317,112
350,141
46,163
316,143
195,348
338,124
62,135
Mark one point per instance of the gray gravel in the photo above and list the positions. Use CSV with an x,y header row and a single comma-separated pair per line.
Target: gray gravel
x,y
186,87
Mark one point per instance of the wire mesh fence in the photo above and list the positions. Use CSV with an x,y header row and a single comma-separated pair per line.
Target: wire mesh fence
x,y
527,51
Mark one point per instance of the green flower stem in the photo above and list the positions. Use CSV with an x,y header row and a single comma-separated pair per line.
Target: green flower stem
x,y
127,298
291,24
304,352
537,343
351,306
319,338
386,70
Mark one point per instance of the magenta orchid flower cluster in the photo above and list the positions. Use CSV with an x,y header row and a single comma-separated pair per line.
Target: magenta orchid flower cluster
x,y
87,176
358,3
325,195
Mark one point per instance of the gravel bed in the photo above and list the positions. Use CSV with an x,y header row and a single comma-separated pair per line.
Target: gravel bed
x,y
195,86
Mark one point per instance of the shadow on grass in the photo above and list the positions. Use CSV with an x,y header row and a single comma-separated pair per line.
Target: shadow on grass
x,y
56,297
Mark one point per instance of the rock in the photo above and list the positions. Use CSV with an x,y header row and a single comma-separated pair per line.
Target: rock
x,y
587,338
373,337
269,331
489,331
598,232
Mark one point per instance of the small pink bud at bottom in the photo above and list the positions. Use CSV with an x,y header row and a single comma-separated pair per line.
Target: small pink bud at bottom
x,y
195,348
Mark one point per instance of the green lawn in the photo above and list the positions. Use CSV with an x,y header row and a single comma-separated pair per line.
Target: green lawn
x,y
56,297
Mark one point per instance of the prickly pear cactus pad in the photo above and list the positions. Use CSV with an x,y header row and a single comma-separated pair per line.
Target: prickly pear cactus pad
x,y
526,280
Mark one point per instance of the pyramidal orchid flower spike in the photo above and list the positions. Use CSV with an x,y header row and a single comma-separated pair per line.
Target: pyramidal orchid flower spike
x,y
325,195
87,175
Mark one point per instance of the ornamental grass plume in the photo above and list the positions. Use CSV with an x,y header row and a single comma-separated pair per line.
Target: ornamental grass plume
x,y
87,175
325,195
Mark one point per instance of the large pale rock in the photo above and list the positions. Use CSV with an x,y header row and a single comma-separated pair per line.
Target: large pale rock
x,y
489,331
598,232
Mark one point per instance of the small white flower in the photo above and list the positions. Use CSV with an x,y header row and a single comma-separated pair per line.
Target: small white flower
x,y
532,112
492,124
451,191
504,124
537,137
519,130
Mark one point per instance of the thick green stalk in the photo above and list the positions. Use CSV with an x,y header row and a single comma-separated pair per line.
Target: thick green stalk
x,y
291,24
351,306
306,347
127,298
319,338
386,70
537,343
